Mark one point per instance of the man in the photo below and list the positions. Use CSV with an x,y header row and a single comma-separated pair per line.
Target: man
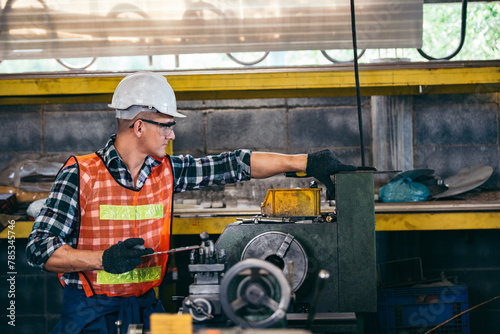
x,y
109,211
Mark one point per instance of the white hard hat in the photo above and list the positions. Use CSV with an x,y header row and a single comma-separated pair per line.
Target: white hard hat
x,y
144,91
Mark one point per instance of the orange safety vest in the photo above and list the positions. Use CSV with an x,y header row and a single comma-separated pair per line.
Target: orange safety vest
x,y
110,213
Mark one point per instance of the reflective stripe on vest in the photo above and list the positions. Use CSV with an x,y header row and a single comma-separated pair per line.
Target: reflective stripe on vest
x,y
124,212
138,275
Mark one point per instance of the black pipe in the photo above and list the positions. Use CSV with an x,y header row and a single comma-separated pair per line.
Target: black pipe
x,y
462,37
356,75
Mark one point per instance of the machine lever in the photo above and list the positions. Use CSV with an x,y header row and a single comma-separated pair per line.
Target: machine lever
x,y
175,250
323,276
118,324
259,219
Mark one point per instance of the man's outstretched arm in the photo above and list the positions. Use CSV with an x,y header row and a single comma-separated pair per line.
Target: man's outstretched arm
x,y
263,164
320,165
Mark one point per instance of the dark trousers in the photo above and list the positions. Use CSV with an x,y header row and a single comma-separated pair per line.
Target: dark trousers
x,y
97,314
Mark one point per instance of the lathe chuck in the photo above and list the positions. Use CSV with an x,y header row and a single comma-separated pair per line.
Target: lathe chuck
x,y
280,249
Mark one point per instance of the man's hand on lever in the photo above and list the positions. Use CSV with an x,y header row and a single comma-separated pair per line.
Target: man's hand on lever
x,y
321,165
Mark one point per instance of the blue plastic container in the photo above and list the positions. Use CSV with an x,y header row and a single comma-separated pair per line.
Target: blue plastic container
x,y
417,310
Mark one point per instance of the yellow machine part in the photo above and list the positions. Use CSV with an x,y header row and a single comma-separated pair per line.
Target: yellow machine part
x,y
291,202
164,323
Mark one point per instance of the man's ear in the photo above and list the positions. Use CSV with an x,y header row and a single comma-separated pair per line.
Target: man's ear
x,y
138,128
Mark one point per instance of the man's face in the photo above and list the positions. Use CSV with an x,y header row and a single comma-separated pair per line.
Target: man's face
x,y
158,136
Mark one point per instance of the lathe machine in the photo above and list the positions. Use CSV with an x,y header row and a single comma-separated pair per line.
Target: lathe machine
x,y
292,264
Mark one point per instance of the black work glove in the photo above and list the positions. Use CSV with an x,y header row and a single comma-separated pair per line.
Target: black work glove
x,y
321,165
124,256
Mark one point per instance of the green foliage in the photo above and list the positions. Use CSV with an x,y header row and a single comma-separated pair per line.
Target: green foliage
x,y
442,25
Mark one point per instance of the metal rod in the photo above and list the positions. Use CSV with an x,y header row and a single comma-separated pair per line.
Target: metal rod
x,y
323,276
356,75
118,324
175,250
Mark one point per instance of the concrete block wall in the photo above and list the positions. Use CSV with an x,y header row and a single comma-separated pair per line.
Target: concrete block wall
x,y
51,132
457,131
55,132
273,125
277,125
450,131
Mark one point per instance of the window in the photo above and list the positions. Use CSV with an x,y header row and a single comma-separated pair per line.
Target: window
x,y
113,35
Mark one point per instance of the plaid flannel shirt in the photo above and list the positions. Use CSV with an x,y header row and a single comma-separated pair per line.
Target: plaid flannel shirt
x,y
58,221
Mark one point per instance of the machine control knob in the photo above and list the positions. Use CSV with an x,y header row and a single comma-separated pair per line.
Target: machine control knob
x,y
200,309
204,236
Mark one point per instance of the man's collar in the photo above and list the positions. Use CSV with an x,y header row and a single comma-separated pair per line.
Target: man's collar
x,y
109,154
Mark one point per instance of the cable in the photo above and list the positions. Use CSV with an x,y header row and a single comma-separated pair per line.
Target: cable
x,y
336,61
356,75
458,315
247,63
462,37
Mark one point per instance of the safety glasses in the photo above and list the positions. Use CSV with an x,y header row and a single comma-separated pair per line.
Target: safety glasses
x,y
164,129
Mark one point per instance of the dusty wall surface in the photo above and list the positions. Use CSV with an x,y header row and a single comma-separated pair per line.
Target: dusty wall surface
x,y
450,132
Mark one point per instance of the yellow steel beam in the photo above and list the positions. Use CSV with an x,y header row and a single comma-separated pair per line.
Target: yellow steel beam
x,y
47,86
263,94
261,83
437,221
383,222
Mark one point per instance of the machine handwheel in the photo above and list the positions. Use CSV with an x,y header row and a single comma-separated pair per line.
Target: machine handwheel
x,y
255,294
200,309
